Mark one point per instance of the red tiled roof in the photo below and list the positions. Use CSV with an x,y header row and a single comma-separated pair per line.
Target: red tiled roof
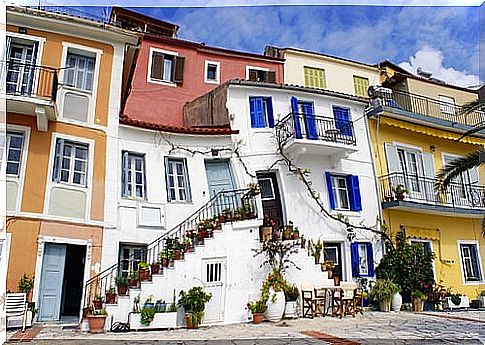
x,y
220,130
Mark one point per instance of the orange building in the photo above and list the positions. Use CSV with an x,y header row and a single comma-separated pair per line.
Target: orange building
x,y
63,83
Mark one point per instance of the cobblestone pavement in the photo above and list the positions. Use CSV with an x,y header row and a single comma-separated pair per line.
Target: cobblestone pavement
x,y
370,328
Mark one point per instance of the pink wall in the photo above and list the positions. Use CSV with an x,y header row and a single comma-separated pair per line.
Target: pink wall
x,y
163,104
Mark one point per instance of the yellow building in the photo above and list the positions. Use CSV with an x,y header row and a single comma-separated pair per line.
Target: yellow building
x,y
63,88
415,124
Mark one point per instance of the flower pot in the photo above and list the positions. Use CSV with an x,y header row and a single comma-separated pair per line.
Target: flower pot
x,y
165,262
275,310
291,310
177,254
189,324
417,305
96,323
287,232
110,298
155,268
295,235
98,305
144,275
258,317
122,290
396,302
336,280
132,282
266,233
385,305
316,256
400,197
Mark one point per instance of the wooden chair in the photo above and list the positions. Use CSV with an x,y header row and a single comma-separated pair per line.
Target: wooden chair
x,y
16,307
359,301
308,303
336,304
320,299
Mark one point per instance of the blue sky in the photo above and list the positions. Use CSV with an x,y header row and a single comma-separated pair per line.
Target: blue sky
x,y
443,40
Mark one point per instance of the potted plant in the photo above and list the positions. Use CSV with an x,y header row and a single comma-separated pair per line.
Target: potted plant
x,y
315,249
96,320
160,306
26,284
254,188
328,265
110,295
296,233
399,191
133,279
147,312
382,291
164,259
193,303
144,269
418,297
273,294
291,296
436,296
155,267
363,283
98,302
267,228
122,285
257,309
288,231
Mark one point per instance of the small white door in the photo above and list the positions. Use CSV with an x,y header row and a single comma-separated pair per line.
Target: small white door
x,y
214,277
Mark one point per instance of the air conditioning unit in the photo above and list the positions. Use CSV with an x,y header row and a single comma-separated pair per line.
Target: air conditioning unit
x,y
375,91
151,215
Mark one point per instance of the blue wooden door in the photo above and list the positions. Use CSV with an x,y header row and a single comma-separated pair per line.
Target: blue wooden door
x,y
219,176
51,278
310,123
296,117
342,120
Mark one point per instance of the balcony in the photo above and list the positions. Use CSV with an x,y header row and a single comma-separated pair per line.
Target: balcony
x,y
421,196
303,133
424,110
31,90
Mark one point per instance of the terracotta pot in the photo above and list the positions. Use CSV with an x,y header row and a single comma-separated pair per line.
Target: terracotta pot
x,y
144,275
155,268
295,235
189,324
258,317
165,262
177,254
96,323
98,305
132,282
122,290
110,298
400,197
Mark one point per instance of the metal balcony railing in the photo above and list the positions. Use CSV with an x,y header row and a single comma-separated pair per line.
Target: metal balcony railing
x,y
430,108
231,205
422,190
21,79
318,128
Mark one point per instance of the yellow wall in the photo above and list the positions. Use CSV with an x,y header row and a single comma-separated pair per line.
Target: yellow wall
x,y
338,73
433,91
52,54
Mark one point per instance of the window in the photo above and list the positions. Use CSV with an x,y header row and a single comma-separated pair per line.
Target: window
x,y
177,180
261,111
70,163
130,257
362,259
263,75
447,105
21,55
79,71
360,86
212,72
411,165
343,192
315,77
470,264
266,186
133,178
15,143
166,67
342,120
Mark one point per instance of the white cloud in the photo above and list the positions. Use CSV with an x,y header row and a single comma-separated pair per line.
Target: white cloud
x,y
431,60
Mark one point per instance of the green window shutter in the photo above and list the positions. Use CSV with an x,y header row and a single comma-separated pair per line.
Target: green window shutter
x,y
360,86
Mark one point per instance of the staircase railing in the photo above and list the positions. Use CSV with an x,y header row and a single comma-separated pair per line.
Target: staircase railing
x,y
230,205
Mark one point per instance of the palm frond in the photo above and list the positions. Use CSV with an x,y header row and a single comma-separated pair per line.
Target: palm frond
x,y
469,108
457,166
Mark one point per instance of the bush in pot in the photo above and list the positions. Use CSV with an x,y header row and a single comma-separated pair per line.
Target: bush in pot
x,y
96,320
291,296
418,297
193,303
110,295
273,293
133,279
98,302
382,291
257,309
122,285
144,269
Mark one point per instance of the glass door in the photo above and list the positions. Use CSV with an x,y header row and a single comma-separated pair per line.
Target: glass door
x,y
20,73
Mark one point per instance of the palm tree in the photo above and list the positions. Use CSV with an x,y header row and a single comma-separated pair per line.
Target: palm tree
x,y
472,160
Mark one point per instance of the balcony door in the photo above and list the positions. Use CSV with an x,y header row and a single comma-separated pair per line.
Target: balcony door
x,y
462,190
304,110
21,67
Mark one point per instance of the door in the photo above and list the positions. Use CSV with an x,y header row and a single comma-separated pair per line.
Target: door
x,y
333,252
270,197
214,278
219,176
412,168
51,278
459,188
306,108
20,74
342,120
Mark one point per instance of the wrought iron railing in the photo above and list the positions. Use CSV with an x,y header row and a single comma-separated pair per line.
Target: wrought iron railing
x,y
431,108
225,206
21,79
319,128
422,190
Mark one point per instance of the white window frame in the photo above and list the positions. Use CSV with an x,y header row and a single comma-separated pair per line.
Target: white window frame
x,y
479,257
218,72
255,68
365,257
188,196
272,188
336,195
92,95
87,189
133,184
20,179
447,105
74,68
131,247
336,254
72,161
149,71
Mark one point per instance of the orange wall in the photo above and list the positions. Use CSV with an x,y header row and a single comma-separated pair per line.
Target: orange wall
x,y
52,54
37,168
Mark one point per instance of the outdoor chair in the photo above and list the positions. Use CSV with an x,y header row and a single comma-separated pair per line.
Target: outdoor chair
x,y
308,303
359,301
320,301
16,307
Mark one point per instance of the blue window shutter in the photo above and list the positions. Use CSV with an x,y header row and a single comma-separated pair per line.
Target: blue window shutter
x,y
56,174
125,173
296,117
370,259
269,110
354,250
311,128
257,112
342,120
354,193
331,198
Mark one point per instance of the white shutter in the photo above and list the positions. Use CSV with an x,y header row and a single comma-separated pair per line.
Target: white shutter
x,y
473,173
392,158
428,164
